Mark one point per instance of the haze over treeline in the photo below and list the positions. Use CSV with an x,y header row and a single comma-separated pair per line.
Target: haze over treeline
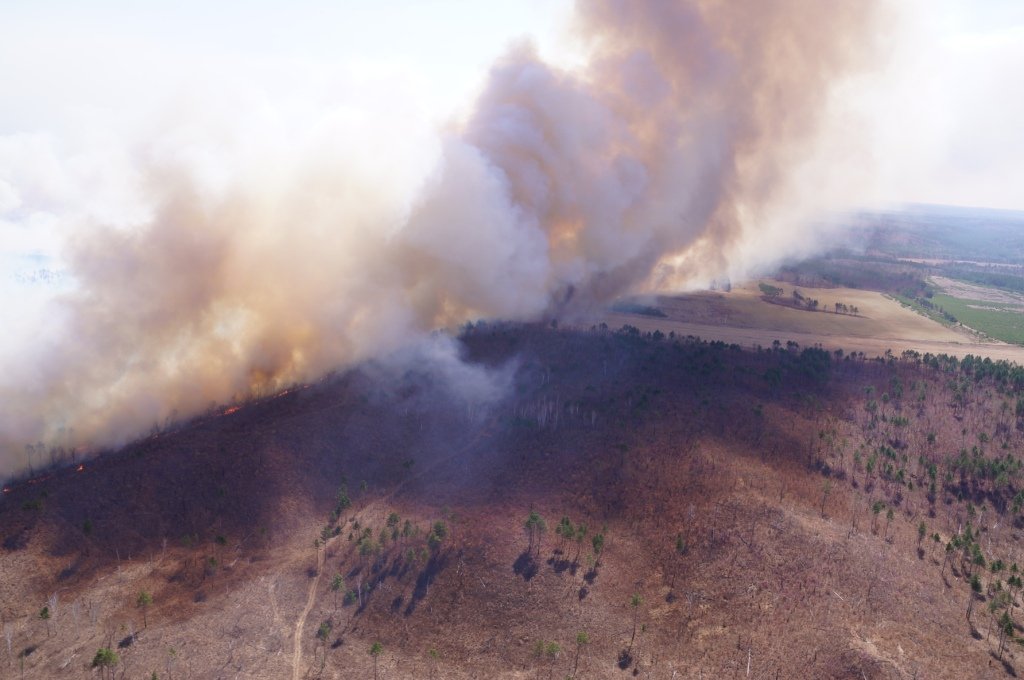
x,y
678,152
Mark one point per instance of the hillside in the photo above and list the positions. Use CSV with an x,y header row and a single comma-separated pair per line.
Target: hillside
x,y
742,500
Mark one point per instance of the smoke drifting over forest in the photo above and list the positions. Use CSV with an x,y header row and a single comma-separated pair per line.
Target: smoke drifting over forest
x,y
657,163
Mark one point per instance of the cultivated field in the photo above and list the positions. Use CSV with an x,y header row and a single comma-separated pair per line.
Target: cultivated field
x,y
742,317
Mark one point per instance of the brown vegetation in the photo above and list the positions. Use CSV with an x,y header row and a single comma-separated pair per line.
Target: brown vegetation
x,y
651,505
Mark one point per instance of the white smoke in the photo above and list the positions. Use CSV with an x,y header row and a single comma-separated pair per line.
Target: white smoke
x,y
259,243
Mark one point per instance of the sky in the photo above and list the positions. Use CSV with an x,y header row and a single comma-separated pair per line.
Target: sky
x,y
81,78
937,116
87,87
945,109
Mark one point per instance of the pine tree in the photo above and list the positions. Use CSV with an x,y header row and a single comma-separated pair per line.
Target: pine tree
x,y
375,651
44,614
1005,631
581,639
973,595
535,527
597,540
434,657
635,601
105,659
143,601
337,586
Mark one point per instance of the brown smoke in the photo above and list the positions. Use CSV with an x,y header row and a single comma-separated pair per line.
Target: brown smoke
x,y
561,191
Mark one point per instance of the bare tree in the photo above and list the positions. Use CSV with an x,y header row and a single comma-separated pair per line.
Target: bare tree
x,y
52,603
635,601
9,638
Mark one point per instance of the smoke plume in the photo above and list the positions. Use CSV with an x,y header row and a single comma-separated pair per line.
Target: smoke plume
x,y
653,164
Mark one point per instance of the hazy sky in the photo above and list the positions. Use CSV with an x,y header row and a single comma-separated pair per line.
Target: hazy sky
x,y
84,82
938,118
115,55
949,110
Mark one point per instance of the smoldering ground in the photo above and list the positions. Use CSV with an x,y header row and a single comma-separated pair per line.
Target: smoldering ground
x,y
259,260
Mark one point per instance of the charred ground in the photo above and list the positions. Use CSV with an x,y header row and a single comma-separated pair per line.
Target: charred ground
x,y
759,512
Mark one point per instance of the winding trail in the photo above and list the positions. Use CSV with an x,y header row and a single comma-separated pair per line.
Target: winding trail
x,y
301,623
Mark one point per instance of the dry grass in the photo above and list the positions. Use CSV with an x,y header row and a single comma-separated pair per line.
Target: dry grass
x,y
741,317
970,291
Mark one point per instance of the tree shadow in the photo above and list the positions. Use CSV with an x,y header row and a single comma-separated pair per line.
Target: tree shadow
x,y
525,566
625,659
559,565
70,570
17,540
1007,666
434,566
368,589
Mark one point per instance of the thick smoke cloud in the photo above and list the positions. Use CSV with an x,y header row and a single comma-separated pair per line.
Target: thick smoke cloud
x,y
651,165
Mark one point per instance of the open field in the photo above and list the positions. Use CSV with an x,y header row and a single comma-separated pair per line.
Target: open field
x,y
993,313
998,320
753,337
743,307
741,317
973,291
988,313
